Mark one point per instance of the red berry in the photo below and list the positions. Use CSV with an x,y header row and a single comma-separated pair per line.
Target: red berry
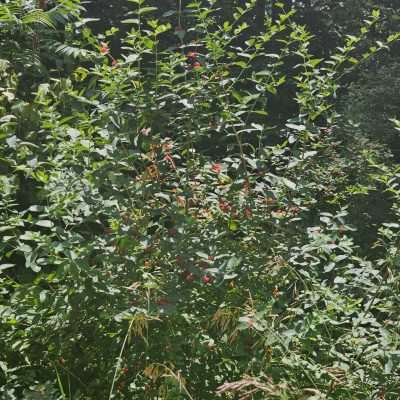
x,y
191,278
217,168
196,65
104,48
207,279
224,206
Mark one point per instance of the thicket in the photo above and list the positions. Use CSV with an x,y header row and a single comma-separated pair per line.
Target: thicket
x,y
204,213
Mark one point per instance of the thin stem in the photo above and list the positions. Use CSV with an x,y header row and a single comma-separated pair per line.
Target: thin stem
x,y
179,12
117,367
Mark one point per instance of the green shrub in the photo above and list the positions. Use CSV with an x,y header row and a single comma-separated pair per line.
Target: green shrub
x,y
161,239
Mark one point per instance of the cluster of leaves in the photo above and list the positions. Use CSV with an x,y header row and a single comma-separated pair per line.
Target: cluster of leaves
x,y
163,239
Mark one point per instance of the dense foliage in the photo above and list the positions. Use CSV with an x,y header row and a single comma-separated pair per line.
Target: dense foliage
x,y
210,211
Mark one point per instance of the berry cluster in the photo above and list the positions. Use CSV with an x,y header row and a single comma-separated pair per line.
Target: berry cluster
x,y
192,59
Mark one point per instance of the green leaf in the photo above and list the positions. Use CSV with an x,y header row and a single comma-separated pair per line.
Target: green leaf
x,y
45,223
148,42
134,21
6,228
43,296
234,262
240,64
3,267
202,255
169,13
233,225
291,185
230,276
296,127
146,10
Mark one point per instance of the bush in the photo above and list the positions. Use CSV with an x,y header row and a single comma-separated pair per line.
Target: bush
x,y
162,240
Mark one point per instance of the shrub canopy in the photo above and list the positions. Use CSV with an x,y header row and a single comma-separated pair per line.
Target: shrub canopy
x,y
190,216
